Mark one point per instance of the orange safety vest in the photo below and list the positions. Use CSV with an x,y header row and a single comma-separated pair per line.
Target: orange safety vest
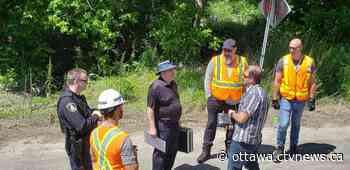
x,y
295,83
106,143
224,87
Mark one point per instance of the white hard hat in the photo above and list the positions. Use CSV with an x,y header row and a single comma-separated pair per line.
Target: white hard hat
x,y
109,98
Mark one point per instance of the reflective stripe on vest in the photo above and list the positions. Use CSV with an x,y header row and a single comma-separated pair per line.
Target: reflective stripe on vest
x,y
224,87
107,139
294,84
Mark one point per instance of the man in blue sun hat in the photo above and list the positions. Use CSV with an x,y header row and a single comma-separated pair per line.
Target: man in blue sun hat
x,y
164,112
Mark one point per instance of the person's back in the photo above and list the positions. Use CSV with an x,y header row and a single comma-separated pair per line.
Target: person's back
x,y
107,144
111,148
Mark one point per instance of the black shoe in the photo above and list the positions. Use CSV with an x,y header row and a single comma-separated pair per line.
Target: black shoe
x,y
204,156
277,154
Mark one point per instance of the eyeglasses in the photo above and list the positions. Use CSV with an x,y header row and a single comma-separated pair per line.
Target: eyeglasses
x,y
84,80
294,48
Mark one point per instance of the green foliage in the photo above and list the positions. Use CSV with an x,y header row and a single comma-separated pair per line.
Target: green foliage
x,y
334,75
323,20
8,79
233,11
42,39
178,38
95,25
191,86
149,57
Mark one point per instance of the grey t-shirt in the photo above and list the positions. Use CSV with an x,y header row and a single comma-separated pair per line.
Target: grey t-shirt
x,y
127,152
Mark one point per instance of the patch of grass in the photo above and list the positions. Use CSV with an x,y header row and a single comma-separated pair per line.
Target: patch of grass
x,y
132,85
191,87
17,106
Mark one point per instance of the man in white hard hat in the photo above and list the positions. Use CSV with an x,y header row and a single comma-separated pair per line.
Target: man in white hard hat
x,y
111,148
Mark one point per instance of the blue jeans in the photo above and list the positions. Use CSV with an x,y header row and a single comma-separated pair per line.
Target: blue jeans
x,y
289,110
236,164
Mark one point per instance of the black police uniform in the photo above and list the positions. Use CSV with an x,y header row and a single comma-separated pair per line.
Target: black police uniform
x,y
76,122
164,99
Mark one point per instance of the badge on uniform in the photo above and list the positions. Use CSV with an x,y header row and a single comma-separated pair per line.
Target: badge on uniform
x,y
72,107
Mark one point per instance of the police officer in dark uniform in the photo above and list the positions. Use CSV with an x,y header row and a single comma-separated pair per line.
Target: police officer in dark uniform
x,y
164,112
77,120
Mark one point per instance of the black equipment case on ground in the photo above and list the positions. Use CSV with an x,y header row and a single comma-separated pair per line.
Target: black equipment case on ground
x,y
186,140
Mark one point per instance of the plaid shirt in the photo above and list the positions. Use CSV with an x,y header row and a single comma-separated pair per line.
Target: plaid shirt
x,y
254,102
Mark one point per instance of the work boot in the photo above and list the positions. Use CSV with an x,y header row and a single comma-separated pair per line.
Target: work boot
x,y
205,155
277,154
293,149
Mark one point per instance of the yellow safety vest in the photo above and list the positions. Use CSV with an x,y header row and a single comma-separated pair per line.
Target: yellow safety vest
x,y
224,87
106,144
295,83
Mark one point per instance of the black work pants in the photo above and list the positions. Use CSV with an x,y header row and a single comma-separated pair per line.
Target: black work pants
x,y
214,107
169,132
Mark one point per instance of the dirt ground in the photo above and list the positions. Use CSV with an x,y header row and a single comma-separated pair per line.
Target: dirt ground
x,y
38,144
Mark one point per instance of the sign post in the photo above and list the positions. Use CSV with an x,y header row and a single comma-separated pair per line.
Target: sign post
x,y
274,11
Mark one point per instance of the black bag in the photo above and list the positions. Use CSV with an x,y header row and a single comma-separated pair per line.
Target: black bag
x,y
186,140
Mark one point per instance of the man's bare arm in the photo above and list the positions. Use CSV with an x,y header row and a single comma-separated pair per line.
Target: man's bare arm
x,y
312,86
151,122
276,85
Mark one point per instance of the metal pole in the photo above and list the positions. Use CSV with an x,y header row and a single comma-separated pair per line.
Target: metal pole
x,y
266,34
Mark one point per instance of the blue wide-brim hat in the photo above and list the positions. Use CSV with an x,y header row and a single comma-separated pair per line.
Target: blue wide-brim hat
x,y
164,66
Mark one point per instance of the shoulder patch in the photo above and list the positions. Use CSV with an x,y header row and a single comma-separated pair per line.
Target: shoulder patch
x,y
72,107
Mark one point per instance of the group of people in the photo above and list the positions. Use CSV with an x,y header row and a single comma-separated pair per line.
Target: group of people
x,y
94,139
232,86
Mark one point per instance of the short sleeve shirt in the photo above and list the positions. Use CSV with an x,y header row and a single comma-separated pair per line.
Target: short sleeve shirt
x,y
255,103
164,97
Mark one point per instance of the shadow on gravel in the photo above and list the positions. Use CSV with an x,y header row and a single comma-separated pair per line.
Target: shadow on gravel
x,y
306,148
196,167
265,149
316,148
